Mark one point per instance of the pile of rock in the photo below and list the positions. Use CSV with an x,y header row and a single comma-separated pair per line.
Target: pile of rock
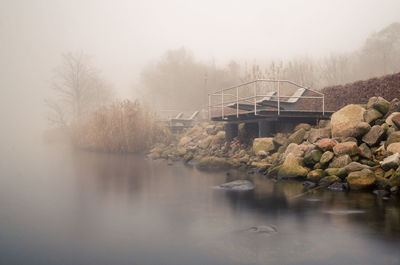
x,y
361,153
359,148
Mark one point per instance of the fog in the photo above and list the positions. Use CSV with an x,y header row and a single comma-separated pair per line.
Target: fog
x,y
123,37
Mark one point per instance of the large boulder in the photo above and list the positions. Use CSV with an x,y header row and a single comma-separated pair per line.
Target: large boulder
x,y
371,115
316,134
265,144
297,137
292,168
394,137
340,161
379,103
184,140
392,161
304,126
360,180
349,148
345,119
394,148
280,139
326,144
374,135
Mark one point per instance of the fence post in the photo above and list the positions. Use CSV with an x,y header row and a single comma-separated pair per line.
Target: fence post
x,y
255,98
279,98
222,104
209,107
237,102
323,104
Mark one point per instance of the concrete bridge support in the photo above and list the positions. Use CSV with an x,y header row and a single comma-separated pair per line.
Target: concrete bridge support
x,y
231,131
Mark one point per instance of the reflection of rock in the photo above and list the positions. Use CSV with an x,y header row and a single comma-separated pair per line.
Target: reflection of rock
x,y
263,229
237,185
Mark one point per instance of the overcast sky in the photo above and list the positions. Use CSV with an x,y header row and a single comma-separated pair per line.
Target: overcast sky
x,y
123,36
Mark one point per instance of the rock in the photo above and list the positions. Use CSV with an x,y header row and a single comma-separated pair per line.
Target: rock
x,y
261,164
263,229
388,174
304,126
394,190
326,144
340,161
379,103
262,154
345,119
237,185
350,139
326,181
372,115
326,157
349,148
210,129
292,168
205,143
394,148
265,144
360,129
389,119
340,172
312,157
355,166
365,151
368,162
324,123
394,179
316,134
184,140
297,137
392,161
393,138
359,180
374,135
309,184
280,139
336,186
219,138
396,120
212,163
294,149
315,175
381,193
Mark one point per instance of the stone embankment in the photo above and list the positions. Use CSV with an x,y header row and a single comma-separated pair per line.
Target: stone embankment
x,y
358,149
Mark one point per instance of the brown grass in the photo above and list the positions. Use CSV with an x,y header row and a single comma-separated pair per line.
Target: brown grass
x,y
123,127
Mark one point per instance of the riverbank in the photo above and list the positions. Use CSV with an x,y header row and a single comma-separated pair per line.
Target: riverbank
x,y
358,149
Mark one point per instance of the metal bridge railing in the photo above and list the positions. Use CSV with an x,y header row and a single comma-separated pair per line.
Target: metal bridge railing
x,y
250,92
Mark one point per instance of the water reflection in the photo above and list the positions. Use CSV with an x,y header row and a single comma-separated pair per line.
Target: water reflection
x,y
89,208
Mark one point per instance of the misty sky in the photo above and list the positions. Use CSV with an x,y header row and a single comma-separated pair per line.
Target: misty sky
x,y
124,36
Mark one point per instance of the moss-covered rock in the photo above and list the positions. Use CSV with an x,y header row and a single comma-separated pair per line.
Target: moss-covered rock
x,y
393,138
326,144
265,144
326,157
291,168
374,135
360,180
379,103
212,163
316,175
340,172
340,161
312,157
372,115
328,180
297,137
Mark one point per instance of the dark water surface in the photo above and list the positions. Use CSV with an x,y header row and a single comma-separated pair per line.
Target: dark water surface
x,y
59,206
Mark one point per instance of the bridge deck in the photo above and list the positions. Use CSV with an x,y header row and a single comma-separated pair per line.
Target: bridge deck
x,y
273,115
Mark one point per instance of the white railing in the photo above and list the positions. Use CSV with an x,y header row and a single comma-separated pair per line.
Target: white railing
x,y
250,92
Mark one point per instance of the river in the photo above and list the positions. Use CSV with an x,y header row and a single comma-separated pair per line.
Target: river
x,y
61,206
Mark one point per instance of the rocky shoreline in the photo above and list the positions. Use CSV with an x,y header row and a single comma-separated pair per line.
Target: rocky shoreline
x,y
358,149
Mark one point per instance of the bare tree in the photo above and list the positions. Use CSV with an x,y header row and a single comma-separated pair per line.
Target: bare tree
x,y
78,88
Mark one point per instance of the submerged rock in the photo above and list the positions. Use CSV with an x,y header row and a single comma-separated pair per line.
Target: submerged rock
x,y
263,229
237,185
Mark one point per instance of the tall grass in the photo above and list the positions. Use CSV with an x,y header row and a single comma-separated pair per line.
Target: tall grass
x,y
120,127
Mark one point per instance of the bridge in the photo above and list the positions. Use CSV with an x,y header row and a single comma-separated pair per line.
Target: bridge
x,y
266,105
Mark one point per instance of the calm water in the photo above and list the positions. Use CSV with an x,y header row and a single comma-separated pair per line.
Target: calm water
x,y
59,206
